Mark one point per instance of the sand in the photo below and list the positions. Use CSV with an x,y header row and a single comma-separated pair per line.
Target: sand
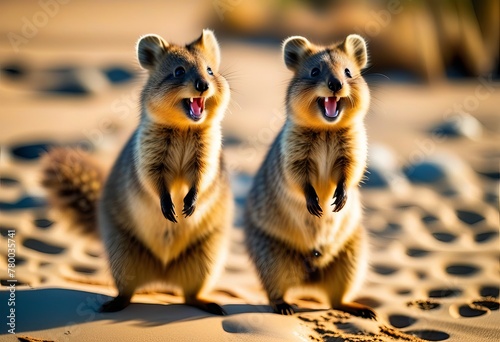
x,y
431,200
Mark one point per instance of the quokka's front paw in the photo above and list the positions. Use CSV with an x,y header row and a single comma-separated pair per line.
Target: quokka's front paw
x,y
339,197
190,202
167,207
312,201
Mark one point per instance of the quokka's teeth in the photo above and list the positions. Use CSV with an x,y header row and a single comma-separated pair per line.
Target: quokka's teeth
x,y
326,99
191,99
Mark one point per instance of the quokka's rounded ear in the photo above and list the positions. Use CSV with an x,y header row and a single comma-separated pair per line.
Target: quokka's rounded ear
x,y
208,45
295,49
355,46
150,49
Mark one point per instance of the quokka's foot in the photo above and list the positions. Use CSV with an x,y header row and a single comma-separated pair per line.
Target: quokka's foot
x,y
116,304
358,310
283,308
207,306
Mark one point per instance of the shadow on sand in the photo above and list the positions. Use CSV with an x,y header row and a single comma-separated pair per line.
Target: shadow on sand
x,y
40,309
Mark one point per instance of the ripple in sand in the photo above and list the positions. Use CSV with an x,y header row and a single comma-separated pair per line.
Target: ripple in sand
x,y
489,291
469,217
444,293
444,237
485,236
430,335
401,321
462,270
42,247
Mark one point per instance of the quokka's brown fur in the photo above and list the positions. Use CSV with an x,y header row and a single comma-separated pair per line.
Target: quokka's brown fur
x,y
295,235
165,209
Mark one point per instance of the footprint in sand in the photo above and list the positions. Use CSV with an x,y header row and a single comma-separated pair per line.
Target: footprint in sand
x,y
417,252
425,305
462,270
445,293
444,237
469,217
489,291
42,247
430,335
485,237
401,321
43,223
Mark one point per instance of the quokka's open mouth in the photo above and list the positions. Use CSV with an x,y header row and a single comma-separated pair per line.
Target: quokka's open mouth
x,y
330,107
195,107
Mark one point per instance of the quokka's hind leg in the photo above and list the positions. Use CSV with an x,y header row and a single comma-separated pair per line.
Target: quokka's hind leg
x,y
345,274
197,269
276,282
131,266
278,269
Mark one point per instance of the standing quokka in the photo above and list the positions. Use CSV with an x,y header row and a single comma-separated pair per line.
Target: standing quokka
x,y
295,235
173,160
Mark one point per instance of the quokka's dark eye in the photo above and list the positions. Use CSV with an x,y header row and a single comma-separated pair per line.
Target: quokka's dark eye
x,y
210,72
348,73
179,72
315,72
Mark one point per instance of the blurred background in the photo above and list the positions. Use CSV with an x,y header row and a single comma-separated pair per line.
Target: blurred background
x,y
69,75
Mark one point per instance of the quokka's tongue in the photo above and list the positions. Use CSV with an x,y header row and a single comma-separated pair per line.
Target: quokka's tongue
x,y
331,106
197,105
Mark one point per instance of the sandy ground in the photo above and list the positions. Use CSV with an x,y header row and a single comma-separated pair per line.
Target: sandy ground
x,y
431,200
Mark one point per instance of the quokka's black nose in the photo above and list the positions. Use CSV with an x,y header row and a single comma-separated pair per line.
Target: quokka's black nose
x,y
334,84
201,85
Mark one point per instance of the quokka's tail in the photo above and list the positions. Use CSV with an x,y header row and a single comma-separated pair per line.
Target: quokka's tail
x,y
73,182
